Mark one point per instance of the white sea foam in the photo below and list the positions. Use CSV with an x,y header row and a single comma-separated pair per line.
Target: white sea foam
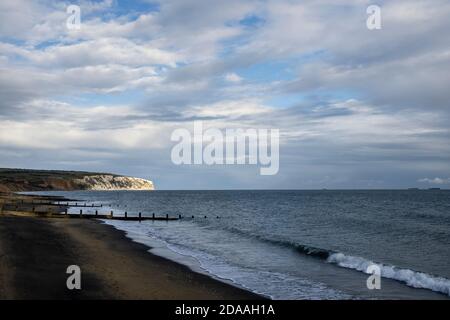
x,y
275,285
409,277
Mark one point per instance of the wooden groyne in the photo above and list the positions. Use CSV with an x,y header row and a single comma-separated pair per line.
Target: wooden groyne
x,y
60,209
58,203
126,216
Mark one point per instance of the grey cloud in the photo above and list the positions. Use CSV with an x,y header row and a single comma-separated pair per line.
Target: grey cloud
x,y
389,129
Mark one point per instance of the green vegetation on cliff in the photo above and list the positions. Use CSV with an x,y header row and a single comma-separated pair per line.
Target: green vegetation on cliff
x,y
14,180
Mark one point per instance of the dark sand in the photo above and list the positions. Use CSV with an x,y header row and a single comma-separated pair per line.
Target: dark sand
x,y
35,253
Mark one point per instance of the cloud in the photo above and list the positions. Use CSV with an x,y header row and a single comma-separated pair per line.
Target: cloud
x,y
355,108
102,51
435,180
233,77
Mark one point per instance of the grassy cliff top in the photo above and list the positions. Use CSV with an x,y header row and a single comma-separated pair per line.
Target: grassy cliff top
x,y
28,174
35,180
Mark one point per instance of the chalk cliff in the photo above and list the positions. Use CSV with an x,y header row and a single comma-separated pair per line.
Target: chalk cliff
x,y
111,182
15,180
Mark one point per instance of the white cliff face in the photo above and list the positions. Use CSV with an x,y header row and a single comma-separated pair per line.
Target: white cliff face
x,y
110,182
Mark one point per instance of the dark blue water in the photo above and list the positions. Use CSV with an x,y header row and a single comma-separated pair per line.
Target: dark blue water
x,y
300,244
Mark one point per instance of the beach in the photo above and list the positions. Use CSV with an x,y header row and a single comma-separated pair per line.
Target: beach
x,y
210,244
322,252
36,251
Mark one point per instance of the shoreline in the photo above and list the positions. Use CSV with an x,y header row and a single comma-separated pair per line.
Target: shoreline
x,y
36,251
193,265
96,243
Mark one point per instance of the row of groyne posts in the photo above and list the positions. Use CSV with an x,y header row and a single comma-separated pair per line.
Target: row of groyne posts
x,y
64,205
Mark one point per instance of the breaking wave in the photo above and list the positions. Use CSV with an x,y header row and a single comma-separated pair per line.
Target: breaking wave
x,y
411,278
415,279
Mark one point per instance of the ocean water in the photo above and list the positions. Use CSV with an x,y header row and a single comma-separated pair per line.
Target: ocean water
x,y
298,244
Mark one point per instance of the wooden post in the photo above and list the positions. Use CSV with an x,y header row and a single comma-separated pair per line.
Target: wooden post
x,y
96,212
153,216
167,216
140,216
111,213
126,214
81,212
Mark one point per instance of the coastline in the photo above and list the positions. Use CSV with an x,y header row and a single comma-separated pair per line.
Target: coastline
x,y
35,224
36,251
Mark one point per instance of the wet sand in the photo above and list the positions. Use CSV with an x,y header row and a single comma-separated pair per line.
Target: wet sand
x,y
35,253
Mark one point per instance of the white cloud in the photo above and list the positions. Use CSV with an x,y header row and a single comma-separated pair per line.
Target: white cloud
x,y
233,77
435,180
68,127
229,110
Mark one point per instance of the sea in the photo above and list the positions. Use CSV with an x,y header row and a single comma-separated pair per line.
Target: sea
x,y
297,244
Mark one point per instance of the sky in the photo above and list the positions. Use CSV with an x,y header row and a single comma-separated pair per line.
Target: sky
x,y
355,108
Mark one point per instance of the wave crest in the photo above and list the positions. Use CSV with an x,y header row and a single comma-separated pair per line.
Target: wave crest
x,y
411,278
315,252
